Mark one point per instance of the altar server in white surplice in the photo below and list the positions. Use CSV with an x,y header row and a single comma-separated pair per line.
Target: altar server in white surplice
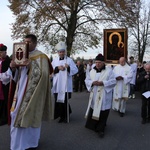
x,y
100,82
123,74
64,68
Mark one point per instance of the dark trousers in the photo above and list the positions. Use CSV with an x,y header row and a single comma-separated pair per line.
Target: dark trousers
x,y
145,109
97,125
132,89
78,84
61,109
3,112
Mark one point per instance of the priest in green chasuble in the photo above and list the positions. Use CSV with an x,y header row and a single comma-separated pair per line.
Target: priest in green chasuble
x,y
31,101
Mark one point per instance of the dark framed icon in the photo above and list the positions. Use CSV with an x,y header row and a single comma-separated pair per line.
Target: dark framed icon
x,y
115,44
20,53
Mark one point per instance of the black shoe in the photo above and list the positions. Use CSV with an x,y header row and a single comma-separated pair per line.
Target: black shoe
x,y
3,122
143,121
75,91
148,120
31,148
61,120
101,134
121,114
65,121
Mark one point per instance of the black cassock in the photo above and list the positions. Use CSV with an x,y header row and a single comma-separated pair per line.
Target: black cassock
x,y
5,89
97,125
60,109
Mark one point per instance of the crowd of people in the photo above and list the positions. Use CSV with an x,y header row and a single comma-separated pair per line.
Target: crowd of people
x,y
25,91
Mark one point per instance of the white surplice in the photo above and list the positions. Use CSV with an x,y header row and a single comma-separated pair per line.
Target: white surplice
x,y
134,70
62,81
89,68
122,88
5,77
100,96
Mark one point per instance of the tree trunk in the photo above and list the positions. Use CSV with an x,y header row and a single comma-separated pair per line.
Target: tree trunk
x,y
71,27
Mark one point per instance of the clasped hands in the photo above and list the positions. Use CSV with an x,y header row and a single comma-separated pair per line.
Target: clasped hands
x,y
146,77
119,78
98,83
62,68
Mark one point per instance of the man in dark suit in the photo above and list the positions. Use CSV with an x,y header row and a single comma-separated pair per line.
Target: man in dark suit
x,y
144,79
79,77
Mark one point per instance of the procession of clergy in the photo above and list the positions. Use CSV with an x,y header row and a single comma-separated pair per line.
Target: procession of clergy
x,y
109,88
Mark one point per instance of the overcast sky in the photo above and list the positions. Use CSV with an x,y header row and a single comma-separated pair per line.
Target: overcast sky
x,y
5,25
5,32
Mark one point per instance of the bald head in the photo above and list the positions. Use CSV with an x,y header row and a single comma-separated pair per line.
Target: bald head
x,y
78,62
122,61
147,67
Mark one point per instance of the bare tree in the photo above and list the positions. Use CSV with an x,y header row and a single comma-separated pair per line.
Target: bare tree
x,y
140,33
75,21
